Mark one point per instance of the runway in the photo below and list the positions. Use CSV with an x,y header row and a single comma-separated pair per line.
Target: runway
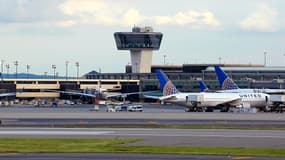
x,y
145,122
111,156
162,137
28,121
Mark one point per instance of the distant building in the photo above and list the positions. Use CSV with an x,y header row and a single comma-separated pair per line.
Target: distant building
x,y
186,76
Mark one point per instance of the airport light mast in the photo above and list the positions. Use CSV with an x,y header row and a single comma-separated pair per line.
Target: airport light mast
x,y
77,69
7,67
28,68
2,65
141,42
16,63
66,69
53,67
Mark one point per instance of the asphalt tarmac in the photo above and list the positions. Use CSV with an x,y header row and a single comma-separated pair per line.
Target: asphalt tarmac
x,y
112,156
162,137
83,116
158,112
26,121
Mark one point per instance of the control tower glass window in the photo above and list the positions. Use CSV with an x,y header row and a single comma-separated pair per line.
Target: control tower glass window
x,y
126,41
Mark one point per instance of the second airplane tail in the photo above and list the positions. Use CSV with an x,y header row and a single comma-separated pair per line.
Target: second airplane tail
x,y
203,87
225,81
166,85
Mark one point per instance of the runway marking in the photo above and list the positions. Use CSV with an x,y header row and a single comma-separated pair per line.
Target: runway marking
x,y
8,154
240,158
135,132
152,122
54,132
189,135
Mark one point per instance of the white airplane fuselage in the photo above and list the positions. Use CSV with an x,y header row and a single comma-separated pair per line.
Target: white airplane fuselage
x,y
216,99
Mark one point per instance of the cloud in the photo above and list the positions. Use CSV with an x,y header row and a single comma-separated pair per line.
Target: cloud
x,y
70,13
115,13
193,18
264,19
26,11
65,23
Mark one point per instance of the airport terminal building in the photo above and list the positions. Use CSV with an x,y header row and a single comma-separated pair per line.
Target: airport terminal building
x,y
186,77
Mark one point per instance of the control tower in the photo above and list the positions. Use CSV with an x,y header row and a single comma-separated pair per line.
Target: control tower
x,y
141,42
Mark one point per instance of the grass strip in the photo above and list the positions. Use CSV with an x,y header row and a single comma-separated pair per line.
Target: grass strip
x,y
64,145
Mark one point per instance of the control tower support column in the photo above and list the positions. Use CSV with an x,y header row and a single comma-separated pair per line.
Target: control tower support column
x,y
141,61
141,42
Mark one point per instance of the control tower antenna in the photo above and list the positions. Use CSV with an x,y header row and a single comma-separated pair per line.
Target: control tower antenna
x,y
140,42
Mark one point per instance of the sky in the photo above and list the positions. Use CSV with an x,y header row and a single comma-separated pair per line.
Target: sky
x,y
41,33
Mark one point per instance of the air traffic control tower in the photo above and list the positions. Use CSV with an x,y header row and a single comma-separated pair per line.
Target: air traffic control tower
x,y
140,42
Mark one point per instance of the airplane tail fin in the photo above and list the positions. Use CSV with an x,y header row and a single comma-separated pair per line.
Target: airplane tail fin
x,y
166,85
225,81
203,87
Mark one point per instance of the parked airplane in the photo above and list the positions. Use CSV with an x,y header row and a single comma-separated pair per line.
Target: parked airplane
x,y
194,101
104,95
101,97
207,99
249,99
228,85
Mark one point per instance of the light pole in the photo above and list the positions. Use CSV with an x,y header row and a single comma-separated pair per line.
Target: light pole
x,y
2,65
53,67
7,67
77,69
66,70
220,60
45,73
99,79
16,63
265,53
164,56
28,67
284,58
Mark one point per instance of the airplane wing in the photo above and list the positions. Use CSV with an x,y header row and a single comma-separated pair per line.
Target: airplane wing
x,y
7,94
232,102
151,97
106,94
73,93
162,98
110,95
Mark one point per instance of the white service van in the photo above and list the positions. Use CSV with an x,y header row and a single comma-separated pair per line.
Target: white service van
x,y
135,108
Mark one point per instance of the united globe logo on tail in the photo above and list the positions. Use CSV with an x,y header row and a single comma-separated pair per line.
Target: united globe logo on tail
x,y
169,89
166,85
229,84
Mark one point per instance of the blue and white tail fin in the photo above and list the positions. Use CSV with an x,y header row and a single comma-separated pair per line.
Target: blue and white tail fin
x,y
203,86
166,85
226,83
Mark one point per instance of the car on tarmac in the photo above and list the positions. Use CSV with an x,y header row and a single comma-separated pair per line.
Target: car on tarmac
x,y
135,108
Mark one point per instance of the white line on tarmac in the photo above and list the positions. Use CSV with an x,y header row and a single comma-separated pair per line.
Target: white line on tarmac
x,y
54,132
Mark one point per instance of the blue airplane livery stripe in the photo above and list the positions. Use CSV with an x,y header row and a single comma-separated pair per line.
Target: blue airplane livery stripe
x,y
203,87
162,78
224,80
165,84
